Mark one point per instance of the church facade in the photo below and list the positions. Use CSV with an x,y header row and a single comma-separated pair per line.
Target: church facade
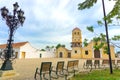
x,y
78,51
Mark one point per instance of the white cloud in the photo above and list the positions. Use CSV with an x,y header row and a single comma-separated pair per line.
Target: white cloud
x,y
51,21
63,4
114,31
60,16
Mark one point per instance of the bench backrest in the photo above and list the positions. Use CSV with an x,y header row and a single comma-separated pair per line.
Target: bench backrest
x,y
60,65
45,67
118,61
97,62
107,62
76,62
88,62
70,64
113,61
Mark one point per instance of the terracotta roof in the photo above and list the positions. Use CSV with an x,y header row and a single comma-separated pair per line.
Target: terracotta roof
x,y
75,28
15,45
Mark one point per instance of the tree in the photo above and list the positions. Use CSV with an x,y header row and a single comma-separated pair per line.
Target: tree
x,y
115,12
99,42
47,46
52,46
85,42
116,37
42,49
101,39
59,45
107,19
63,45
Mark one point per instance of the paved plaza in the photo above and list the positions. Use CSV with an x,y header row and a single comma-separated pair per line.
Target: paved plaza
x,y
25,68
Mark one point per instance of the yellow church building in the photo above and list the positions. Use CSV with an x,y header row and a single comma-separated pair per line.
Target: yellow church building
x,y
78,51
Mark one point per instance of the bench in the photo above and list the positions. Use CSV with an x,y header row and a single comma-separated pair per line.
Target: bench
x,y
76,68
59,71
43,70
97,64
47,69
72,67
105,63
88,65
118,64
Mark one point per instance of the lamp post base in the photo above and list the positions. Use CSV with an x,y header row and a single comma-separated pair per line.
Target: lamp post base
x,y
7,74
7,65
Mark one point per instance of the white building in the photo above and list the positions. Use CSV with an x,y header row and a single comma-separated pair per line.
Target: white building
x,y
24,50
50,52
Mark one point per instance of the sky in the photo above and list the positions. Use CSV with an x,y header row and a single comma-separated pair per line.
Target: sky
x,y
50,22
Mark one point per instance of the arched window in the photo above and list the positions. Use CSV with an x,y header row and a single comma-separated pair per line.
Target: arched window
x,y
60,54
75,33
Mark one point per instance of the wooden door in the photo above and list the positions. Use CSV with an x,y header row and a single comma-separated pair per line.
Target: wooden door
x,y
61,55
23,55
96,53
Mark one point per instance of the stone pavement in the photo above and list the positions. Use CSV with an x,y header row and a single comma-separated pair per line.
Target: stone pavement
x,y
25,68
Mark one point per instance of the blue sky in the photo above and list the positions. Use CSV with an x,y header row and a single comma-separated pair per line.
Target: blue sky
x,y
49,22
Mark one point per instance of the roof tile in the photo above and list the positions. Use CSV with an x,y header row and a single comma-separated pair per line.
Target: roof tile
x,y
15,45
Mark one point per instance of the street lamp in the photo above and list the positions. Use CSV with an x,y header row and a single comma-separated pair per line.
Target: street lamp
x,y
13,22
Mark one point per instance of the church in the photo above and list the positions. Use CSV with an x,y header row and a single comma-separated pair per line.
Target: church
x,y
78,51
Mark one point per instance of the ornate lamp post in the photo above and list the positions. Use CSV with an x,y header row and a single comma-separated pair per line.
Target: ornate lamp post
x,y
13,22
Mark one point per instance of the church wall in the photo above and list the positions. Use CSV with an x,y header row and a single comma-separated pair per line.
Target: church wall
x,y
83,52
90,50
106,56
63,51
76,52
87,52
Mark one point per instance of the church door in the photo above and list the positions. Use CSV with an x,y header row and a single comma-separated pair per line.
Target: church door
x,y
96,53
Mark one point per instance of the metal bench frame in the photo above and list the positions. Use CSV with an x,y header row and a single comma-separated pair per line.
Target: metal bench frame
x,y
72,67
97,64
76,68
43,70
88,64
59,71
118,64
105,64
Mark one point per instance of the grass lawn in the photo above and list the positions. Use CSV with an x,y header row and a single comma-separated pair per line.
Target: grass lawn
x,y
98,75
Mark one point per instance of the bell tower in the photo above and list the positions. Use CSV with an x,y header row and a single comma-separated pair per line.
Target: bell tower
x,y
76,38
